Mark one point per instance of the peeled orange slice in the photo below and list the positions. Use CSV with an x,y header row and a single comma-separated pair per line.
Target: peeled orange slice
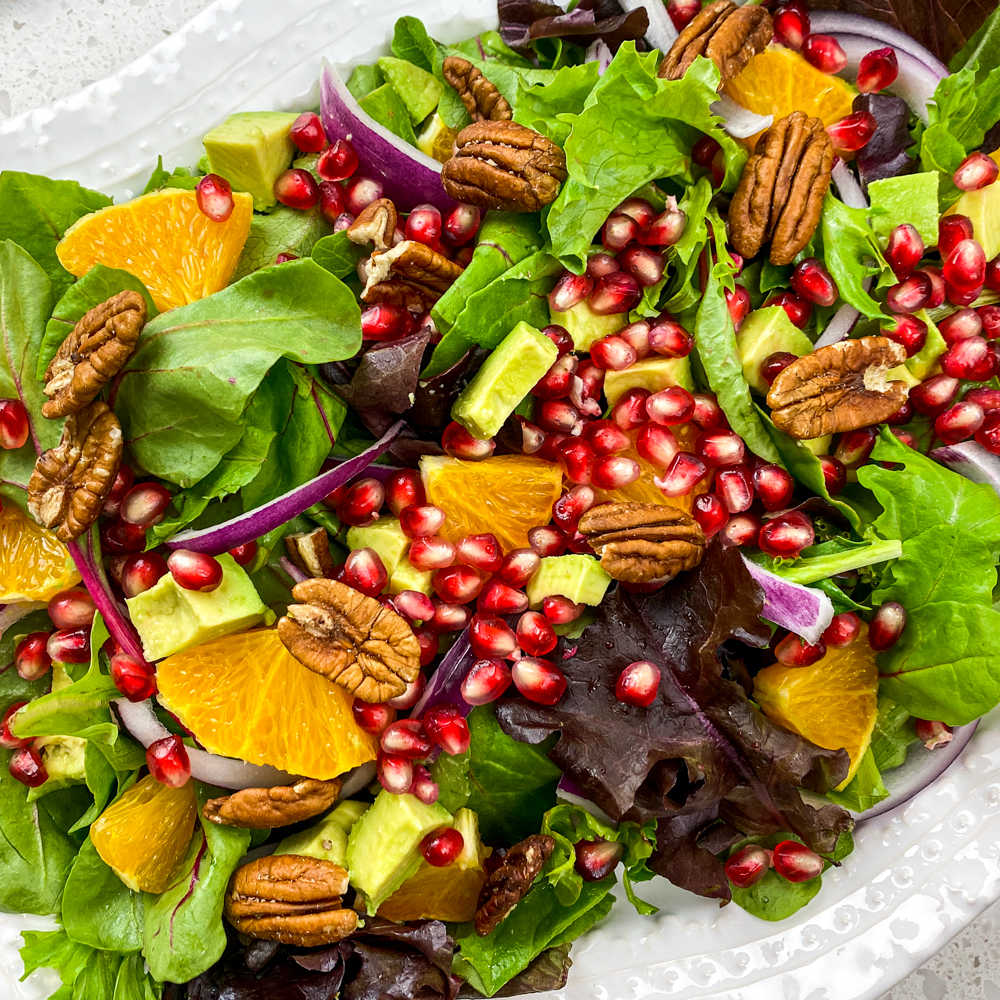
x,y
34,564
165,240
832,703
143,836
246,696
506,495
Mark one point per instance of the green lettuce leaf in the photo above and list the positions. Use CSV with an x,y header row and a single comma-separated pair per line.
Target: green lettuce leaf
x,y
982,50
549,108
866,788
893,735
179,177
849,247
284,230
411,42
337,254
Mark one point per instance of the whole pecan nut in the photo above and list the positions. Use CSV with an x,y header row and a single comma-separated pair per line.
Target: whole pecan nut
x,y
94,352
70,482
481,98
643,542
728,35
504,165
781,191
291,899
838,388
375,224
410,275
310,552
269,808
351,639
509,883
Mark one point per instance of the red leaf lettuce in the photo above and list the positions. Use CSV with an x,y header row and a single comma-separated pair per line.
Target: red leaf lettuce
x,y
525,21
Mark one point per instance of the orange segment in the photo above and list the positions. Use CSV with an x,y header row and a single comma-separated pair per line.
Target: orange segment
x,y
246,696
832,703
779,81
143,836
165,240
34,564
506,495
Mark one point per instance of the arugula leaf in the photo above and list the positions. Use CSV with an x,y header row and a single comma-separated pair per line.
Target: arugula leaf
x,y
549,108
982,50
181,399
35,213
849,243
775,898
283,230
183,934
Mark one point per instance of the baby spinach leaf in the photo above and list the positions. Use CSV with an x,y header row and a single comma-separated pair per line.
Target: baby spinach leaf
x,y
283,230
775,898
982,49
182,396
411,42
337,254
133,983
179,177
893,735
866,788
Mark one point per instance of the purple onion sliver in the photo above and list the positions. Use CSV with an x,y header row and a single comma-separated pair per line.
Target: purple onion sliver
x,y
840,325
10,614
740,122
848,186
805,611
661,33
292,570
445,686
971,460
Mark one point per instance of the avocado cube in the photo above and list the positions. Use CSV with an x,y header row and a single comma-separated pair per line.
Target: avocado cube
x,y
251,149
419,90
764,332
385,536
406,576
577,577
653,374
585,326
506,377
983,208
818,446
326,839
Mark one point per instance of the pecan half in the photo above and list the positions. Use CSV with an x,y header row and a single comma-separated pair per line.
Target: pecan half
x,y
291,899
504,165
375,224
838,388
781,191
481,98
351,639
71,481
508,884
643,542
269,808
411,275
310,551
728,35
94,353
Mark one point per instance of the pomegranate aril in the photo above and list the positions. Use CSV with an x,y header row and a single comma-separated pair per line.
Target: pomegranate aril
x,y
704,151
988,399
425,225
431,553
904,250
682,475
902,416
933,734
307,133
555,383
813,282
361,192
629,411
442,847
993,274
14,425
976,171
934,395
546,541
364,570
748,865
619,231
952,230
887,626
145,504
405,738
462,224
26,766
907,331
538,680
613,353
7,738
338,162
794,651
852,132
459,443
615,293
518,567
404,489
332,202
501,598
124,479
297,189
243,555
578,459
414,605
710,513
561,610
585,391
989,318
597,859
424,787
734,487
570,290
605,437
667,228
491,637
670,406
989,434
134,678
959,422
31,657
483,552
638,684
657,445
486,681
877,70
964,268
937,286
168,762
644,264
599,264
447,729
774,364
738,304
571,506
411,695
69,646
73,608
797,309
395,774
215,197
612,472
372,717
421,520
361,502
708,415
717,448
535,635
741,530
774,485
904,437
824,52
842,630
670,339
559,336
386,322
118,537
972,360
457,584
795,862
791,27
786,535
855,447
682,12
194,570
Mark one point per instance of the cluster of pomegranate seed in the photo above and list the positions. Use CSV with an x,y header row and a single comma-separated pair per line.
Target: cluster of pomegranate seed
x,y
793,861
884,631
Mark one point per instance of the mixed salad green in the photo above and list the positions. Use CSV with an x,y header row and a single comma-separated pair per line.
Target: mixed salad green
x,y
718,695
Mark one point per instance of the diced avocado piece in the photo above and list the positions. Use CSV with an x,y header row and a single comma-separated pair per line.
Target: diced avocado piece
x,y
763,333
653,374
388,109
983,208
577,577
326,839
169,618
251,149
505,378
283,230
385,536
406,576
419,90
383,848
926,359
903,374
913,197
587,327
818,446
363,80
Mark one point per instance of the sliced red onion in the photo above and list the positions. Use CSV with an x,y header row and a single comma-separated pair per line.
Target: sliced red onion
x,y
599,53
445,686
840,325
921,768
847,186
246,527
409,177
569,792
11,614
661,33
738,121
805,611
292,570
971,460
356,779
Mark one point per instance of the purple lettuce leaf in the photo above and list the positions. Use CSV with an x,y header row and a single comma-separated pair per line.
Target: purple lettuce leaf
x,y
386,376
702,754
525,21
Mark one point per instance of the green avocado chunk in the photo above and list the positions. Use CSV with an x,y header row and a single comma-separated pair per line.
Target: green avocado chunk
x,y
385,536
577,577
652,374
251,149
419,90
586,327
763,333
506,377
326,839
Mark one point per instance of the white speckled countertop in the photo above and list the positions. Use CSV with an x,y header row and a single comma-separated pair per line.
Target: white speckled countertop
x,y
49,48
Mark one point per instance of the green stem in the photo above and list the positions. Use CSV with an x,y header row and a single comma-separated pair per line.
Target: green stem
x,y
812,570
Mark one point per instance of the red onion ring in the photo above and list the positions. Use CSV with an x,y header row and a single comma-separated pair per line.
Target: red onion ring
x,y
971,460
740,122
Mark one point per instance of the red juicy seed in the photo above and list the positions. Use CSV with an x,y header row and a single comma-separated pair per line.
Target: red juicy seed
x,y
902,416
559,336
962,297
643,263
242,555
386,322
571,506
774,364
26,766
361,502
934,395
855,447
425,225
556,382
427,640
904,250
774,486
657,445
952,229
825,53
13,424
682,475
612,472
667,228
717,448
993,274
877,70
442,847
457,584
145,504
909,295
904,437
414,605
638,684
332,200
965,267
971,359
976,171
682,12
215,197
431,553
538,680
569,290
413,691
988,399
424,787
619,231
195,570
710,513
636,335
447,729
734,487
421,520
708,414
405,738
307,133
909,332
613,353
741,530
670,406
630,410
798,310
813,282
134,678
738,304
361,192
791,27
794,651
501,598
73,608
795,862
937,285
491,637
404,489
578,461
842,630
547,541
535,634
887,626
748,865
959,422
122,484
119,537
852,132
297,189
7,738
599,264
462,224
597,859
372,718
395,774
532,437
933,734
338,162
459,443
486,681
284,257
483,552
605,437
638,209
834,474
704,151
364,570
448,617
786,535
518,567
615,293
561,610
670,339
31,656
168,762
989,318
